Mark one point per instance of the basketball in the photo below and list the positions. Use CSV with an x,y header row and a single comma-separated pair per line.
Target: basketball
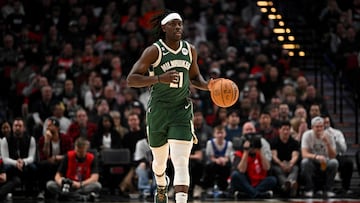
x,y
224,92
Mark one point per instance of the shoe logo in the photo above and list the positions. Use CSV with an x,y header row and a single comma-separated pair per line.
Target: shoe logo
x,y
165,53
187,106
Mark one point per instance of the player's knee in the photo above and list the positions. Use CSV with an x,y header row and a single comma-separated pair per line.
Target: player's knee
x,y
181,171
158,168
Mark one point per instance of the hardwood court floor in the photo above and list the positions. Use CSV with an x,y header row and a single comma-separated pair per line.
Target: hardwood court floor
x,y
122,200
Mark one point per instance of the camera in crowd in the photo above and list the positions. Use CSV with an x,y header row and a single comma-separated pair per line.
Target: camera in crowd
x,y
254,139
66,185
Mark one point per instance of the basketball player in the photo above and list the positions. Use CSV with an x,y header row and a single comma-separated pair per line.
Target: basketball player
x,y
172,66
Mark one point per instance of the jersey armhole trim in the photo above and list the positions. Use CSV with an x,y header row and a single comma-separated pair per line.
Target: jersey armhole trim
x,y
189,48
157,62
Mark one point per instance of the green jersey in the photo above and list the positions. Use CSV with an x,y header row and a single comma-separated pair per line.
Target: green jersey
x,y
168,59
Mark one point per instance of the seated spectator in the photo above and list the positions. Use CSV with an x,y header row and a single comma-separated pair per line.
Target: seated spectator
x,y
268,131
143,159
81,127
77,175
202,130
250,170
18,152
119,127
298,127
346,165
40,108
52,148
196,169
232,128
58,110
106,136
314,111
218,154
285,155
5,129
6,184
101,108
249,127
318,151
135,134
72,106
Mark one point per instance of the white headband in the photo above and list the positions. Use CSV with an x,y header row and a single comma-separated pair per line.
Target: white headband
x,y
171,16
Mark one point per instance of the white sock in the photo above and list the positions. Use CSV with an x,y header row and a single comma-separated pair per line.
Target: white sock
x,y
181,197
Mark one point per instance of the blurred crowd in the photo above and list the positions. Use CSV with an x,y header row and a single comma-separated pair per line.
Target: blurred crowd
x,y
63,74
340,27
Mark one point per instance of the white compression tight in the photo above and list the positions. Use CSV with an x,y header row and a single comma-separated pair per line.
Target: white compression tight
x,y
160,157
179,153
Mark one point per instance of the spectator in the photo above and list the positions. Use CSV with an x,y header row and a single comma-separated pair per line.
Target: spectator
x,y
285,156
271,83
77,174
232,128
284,112
7,184
95,92
314,111
109,95
250,173
72,106
312,97
69,91
300,112
301,85
101,108
52,147
196,164
298,127
122,130
202,130
18,153
265,128
58,110
218,155
106,136
135,134
346,165
318,151
6,130
220,117
143,160
81,127
40,110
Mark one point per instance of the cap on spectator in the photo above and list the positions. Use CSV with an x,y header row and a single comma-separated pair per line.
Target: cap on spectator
x,y
54,121
317,120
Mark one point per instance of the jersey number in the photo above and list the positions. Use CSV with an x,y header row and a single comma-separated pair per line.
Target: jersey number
x,y
179,82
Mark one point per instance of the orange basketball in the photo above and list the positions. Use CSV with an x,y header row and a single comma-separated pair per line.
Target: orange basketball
x,y
224,92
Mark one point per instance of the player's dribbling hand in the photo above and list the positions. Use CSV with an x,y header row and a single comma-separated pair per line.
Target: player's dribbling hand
x,y
211,83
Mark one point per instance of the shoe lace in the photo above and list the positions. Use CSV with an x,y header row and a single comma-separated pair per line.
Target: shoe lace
x,y
161,193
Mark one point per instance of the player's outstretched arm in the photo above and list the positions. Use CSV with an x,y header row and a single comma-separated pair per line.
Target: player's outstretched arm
x,y
195,77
